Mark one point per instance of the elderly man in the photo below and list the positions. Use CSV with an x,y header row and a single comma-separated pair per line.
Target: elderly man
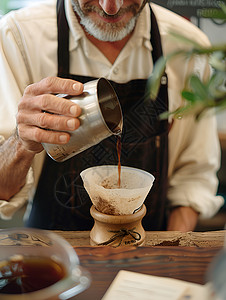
x,y
53,48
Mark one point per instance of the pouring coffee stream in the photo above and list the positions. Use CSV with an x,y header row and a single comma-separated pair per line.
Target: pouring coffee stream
x,y
119,147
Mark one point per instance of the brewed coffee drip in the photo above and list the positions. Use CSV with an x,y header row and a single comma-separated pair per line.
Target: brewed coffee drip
x,y
119,147
102,185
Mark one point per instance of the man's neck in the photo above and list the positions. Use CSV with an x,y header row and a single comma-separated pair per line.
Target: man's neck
x,y
110,50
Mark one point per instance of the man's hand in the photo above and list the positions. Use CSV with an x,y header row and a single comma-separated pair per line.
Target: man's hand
x,y
40,109
182,219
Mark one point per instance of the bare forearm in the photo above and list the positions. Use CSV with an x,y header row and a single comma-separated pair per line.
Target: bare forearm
x,y
15,162
182,219
17,153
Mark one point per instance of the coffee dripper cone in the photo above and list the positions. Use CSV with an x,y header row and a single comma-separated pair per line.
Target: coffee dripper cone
x,y
101,183
117,210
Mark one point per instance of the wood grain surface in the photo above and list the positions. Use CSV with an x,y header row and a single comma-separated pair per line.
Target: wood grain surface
x,y
185,256
184,263
159,238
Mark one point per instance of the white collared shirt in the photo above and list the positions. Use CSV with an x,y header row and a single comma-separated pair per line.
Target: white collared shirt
x,y
28,49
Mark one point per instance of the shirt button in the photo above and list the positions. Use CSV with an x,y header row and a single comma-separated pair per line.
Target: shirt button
x,y
116,70
164,80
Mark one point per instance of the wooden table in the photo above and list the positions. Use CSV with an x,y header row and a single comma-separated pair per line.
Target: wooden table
x,y
159,238
184,256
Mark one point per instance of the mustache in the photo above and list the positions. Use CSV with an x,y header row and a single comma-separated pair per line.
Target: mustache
x,y
134,9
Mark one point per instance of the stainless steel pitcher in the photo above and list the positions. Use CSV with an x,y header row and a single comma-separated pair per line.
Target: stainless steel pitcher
x,y
101,117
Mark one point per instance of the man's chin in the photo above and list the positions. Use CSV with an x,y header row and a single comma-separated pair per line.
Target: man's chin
x,y
110,32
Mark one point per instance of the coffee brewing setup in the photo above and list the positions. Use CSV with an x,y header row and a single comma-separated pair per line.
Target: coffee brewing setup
x,y
117,209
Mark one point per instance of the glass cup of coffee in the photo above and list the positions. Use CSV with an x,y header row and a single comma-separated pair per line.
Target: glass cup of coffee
x,y
39,265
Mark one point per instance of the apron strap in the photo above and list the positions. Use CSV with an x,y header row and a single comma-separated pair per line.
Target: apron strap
x,y
155,38
63,39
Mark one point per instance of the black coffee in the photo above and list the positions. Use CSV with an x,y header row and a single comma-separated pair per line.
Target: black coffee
x,y
119,147
28,274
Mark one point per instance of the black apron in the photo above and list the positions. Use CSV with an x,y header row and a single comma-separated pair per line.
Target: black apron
x,y
60,201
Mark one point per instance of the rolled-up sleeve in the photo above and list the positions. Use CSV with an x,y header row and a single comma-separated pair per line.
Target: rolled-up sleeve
x,y
14,78
8,208
194,161
194,148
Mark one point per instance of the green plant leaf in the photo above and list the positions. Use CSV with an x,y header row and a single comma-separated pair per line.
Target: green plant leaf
x,y
154,80
198,87
217,61
178,113
207,50
184,39
215,85
190,96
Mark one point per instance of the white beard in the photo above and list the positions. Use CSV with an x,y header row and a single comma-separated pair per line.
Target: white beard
x,y
108,32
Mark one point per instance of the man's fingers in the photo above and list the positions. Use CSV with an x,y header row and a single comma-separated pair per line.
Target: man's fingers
x,y
39,109
48,121
50,103
54,85
38,135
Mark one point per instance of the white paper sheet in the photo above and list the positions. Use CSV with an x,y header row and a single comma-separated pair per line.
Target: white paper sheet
x,y
136,286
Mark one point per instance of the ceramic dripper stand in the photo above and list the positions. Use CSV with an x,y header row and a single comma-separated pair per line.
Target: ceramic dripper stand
x,y
117,211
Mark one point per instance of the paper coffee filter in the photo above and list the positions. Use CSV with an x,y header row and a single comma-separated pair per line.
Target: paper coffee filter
x,y
101,183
